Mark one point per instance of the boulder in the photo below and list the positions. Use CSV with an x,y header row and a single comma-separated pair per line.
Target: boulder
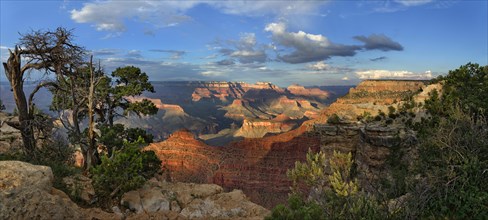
x,y
163,200
80,186
26,192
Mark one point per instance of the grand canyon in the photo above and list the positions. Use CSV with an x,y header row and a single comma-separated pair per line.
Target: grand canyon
x,y
237,109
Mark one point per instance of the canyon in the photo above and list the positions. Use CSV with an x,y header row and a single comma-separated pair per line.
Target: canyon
x,y
258,166
257,161
222,112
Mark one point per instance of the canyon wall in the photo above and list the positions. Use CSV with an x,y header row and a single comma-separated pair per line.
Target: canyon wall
x,y
372,96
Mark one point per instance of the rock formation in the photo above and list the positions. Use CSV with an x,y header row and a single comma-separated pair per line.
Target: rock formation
x,y
10,140
157,199
372,96
258,165
317,93
26,192
259,128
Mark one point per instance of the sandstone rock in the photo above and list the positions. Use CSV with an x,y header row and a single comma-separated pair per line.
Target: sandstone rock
x,y
82,186
153,200
224,206
163,200
26,193
17,176
132,200
256,166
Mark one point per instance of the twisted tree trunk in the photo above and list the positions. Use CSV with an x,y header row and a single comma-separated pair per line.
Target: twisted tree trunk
x,y
15,76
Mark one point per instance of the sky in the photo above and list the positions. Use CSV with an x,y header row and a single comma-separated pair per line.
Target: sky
x,y
283,42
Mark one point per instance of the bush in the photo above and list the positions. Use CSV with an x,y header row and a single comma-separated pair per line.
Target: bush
x,y
453,163
334,119
297,209
127,170
113,137
334,196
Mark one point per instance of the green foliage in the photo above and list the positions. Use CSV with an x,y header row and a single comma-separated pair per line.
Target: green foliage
x,y
145,107
340,179
453,149
53,153
132,81
466,86
336,195
453,161
127,170
365,117
129,81
334,119
113,137
310,173
297,209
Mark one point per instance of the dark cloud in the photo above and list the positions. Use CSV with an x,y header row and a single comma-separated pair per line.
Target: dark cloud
x,y
307,47
379,42
245,50
225,62
378,58
312,53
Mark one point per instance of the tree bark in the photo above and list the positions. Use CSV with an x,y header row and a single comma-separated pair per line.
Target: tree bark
x,y
92,154
15,77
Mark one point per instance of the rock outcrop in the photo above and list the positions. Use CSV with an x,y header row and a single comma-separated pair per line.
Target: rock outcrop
x,y
257,166
10,138
372,96
317,93
371,146
227,91
259,128
189,201
26,192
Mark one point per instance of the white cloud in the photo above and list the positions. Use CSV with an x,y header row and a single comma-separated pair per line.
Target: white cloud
x,y
387,74
345,78
245,50
110,15
413,2
306,47
211,73
318,66
259,8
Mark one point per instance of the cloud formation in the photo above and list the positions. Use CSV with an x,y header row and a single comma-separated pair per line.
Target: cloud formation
x,y
245,50
378,58
110,15
387,74
318,66
307,47
379,42
175,54
409,3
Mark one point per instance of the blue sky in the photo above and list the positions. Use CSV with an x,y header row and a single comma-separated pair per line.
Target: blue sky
x,y
284,42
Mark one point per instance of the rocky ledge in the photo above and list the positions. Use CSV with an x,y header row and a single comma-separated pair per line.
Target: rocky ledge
x,y
26,192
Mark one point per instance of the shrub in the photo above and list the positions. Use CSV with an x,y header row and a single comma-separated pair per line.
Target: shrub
x,y
334,119
453,163
127,170
334,196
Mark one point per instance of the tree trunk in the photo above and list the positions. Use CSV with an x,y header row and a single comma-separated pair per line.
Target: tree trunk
x,y
92,156
15,77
